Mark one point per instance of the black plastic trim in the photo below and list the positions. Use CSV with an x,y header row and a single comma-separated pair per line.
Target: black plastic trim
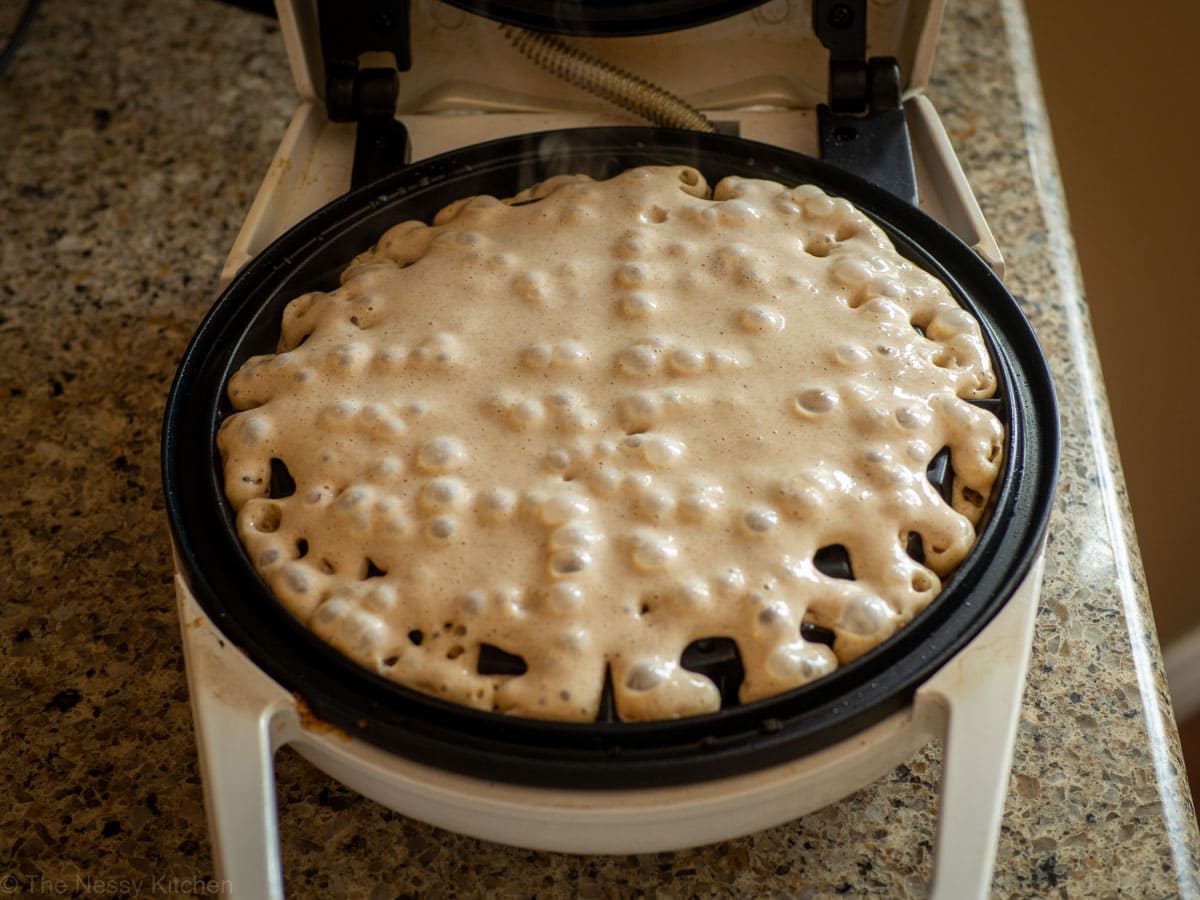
x,y
606,18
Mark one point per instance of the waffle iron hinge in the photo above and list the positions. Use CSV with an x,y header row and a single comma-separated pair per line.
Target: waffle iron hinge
x,y
862,127
366,93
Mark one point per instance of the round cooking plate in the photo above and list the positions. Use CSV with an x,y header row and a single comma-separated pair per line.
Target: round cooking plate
x,y
245,321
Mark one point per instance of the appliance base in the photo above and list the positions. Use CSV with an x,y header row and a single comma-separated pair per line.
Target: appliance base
x,y
972,704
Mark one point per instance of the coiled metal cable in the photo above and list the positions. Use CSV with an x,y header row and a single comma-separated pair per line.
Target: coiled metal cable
x,y
606,80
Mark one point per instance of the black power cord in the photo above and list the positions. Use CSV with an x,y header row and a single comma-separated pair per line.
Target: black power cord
x,y
18,34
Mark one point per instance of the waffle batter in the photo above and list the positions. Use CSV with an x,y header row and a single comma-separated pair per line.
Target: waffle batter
x,y
602,420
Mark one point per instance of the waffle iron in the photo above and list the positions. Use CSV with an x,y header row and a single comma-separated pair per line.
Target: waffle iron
x,y
259,680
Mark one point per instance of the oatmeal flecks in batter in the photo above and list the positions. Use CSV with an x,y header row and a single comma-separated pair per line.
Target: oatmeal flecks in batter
x,y
578,434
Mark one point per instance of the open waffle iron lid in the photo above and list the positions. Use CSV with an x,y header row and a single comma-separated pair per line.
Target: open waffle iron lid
x,y
608,753
695,47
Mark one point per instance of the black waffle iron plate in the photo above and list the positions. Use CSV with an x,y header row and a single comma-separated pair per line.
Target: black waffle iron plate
x,y
608,753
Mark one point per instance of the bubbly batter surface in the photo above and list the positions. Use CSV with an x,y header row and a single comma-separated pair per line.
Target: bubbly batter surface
x,y
593,424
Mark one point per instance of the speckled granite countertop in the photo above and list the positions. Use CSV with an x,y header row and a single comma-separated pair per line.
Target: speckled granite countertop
x,y
134,135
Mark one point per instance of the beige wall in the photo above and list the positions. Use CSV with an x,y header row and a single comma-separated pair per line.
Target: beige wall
x,y
1122,87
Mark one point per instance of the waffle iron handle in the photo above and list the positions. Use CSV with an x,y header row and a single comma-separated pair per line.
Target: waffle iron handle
x,y
862,128
241,718
977,696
